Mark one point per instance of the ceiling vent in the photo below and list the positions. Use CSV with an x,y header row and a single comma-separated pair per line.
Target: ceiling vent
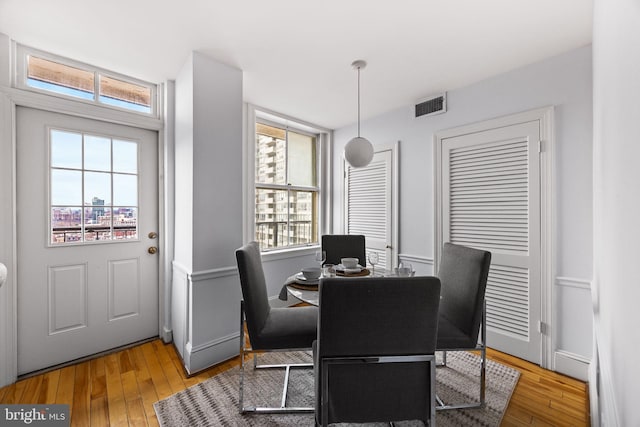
x,y
433,105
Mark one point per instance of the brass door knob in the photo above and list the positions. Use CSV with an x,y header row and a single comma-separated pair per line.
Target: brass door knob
x,y
152,250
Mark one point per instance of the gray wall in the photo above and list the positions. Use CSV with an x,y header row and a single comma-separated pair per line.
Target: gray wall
x,y
616,289
565,82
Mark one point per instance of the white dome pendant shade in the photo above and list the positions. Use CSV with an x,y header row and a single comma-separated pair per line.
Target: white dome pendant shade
x,y
358,152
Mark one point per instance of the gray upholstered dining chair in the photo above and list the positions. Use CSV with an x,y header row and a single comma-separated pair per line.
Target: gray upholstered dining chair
x,y
374,357
270,329
463,272
338,246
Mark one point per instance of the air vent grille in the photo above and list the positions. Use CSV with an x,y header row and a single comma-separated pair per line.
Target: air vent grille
x,y
431,106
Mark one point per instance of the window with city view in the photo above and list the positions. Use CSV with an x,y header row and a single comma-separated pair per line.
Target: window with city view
x,y
286,192
93,188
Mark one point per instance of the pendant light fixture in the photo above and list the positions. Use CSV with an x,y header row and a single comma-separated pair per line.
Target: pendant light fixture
x,y
359,151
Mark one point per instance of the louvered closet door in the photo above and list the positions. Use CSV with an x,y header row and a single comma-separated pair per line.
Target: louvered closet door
x,y
491,200
368,205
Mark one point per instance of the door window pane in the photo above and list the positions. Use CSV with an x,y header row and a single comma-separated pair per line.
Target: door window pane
x,y
97,153
97,223
66,149
92,216
66,187
125,156
125,189
97,188
66,224
125,223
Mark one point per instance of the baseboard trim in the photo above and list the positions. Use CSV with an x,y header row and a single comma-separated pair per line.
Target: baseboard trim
x,y
572,364
205,355
167,335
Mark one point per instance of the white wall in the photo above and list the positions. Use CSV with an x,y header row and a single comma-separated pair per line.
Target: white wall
x,y
564,81
616,289
7,238
208,211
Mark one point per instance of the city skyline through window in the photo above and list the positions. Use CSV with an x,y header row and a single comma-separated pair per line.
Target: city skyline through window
x,y
93,188
286,192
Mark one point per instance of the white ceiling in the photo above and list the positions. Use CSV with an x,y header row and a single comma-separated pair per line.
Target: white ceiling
x,y
296,54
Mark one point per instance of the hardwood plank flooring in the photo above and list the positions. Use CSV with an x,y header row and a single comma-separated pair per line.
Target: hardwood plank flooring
x,y
119,389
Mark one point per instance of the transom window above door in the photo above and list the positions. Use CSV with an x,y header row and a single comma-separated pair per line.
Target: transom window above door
x,y
43,72
93,188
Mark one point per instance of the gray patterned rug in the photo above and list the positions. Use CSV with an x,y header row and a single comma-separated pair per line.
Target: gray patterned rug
x,y
214,402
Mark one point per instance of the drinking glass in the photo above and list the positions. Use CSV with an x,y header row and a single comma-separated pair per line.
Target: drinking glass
x,y
329,270
321,257
404,269
373,260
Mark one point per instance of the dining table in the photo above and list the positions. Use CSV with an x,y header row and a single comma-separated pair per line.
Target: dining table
x,y
305,291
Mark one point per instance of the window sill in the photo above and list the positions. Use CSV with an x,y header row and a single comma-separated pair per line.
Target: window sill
x,y
289,253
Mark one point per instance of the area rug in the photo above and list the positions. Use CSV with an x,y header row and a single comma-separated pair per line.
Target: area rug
x,y
214,402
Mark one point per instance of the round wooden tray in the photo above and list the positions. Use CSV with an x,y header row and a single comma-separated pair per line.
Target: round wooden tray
x,y
304,287
363,272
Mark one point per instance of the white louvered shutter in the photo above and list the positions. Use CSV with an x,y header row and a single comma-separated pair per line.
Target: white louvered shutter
x,y
368,205
491,201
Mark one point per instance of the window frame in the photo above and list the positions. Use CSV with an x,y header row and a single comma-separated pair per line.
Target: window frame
x,y
323,152
83,205
22,54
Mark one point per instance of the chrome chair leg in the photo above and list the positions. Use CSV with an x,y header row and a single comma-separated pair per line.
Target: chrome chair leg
x,y
282,409
482,347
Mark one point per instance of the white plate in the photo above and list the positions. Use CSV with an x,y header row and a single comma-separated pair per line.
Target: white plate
x,y
301,277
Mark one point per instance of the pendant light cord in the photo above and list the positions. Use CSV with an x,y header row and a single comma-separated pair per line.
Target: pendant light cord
x,y
358,102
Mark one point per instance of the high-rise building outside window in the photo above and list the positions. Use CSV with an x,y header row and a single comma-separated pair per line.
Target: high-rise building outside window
x,y
286,187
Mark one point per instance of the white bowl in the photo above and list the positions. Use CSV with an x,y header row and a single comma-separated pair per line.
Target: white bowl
x,y
349,262
311,273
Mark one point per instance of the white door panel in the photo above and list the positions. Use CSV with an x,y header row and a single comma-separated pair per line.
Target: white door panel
x,y
491,200
80,298
369,205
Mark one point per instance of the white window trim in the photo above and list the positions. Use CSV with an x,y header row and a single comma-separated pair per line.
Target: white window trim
x,y
253,113
19,80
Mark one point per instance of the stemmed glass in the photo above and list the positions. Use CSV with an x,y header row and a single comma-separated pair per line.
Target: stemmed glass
x,y
321,257
373,260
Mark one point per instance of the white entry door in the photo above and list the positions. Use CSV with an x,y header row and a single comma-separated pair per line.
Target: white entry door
x,y
490,199
369,205
87,201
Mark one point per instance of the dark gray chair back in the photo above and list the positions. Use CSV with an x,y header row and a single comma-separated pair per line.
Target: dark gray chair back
x,y
463,272
254,290
363,317
340,246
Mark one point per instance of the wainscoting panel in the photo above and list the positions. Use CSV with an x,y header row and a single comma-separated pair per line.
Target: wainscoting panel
x,y
179,307
423,266
206,316
574,333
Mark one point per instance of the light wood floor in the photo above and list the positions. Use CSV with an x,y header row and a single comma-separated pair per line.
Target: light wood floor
x,y
119,389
